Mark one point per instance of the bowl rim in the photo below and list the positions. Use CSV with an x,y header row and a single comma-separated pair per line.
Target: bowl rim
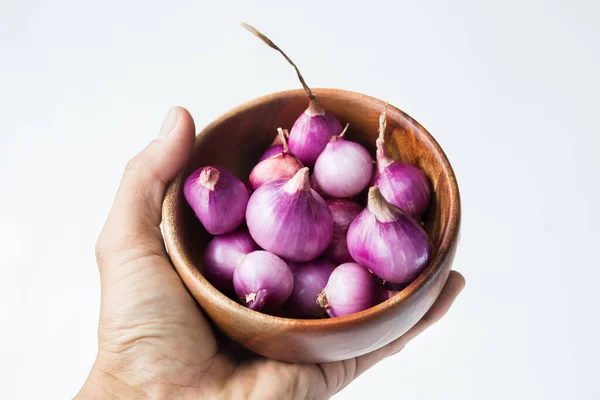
x,y
449,234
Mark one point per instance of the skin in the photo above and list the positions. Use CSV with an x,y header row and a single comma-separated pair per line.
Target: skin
x,y
153,339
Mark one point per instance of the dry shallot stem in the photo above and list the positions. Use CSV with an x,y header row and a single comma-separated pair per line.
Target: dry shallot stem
x,y
344,131
283,137
383,122
270,43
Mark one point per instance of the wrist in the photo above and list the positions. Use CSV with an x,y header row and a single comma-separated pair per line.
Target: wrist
x,y
102,384
109,380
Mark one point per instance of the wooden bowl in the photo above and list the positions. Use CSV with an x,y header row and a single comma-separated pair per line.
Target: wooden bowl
x,y
235,141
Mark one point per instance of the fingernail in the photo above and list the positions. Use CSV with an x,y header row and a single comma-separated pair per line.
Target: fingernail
x,y
169,123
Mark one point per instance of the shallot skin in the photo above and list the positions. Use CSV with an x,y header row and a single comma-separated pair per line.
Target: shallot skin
x,y
311,132
218,198
263,281
344,212
384,240
290,219
222,256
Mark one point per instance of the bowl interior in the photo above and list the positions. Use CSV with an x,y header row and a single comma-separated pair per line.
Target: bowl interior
x,y
237,140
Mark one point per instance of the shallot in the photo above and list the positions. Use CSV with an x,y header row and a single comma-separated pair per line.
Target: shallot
x,y
344,212
218,198
281,166
402,184
290,219
223,254
310,279
344,168
386,241
263,281
350,289
277,145
315,126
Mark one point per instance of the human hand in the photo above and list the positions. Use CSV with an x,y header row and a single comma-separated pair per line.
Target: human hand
x,y
153,339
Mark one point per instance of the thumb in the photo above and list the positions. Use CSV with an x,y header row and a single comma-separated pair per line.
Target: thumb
x,y
133,222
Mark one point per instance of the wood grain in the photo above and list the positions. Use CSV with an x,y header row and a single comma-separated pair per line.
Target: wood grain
x,y
235,141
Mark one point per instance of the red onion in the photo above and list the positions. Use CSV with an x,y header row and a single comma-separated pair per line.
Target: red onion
x,y
344,212
313,129
223,255
388,242
282,166
290,219
310,279
263,281
350,289
344,168
217,197
402,184
276,147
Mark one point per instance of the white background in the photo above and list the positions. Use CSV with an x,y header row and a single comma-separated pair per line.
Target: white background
x,y
509,88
